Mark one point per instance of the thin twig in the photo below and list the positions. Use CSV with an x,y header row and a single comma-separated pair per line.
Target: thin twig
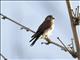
x,y
62,44
3,56
73,53
22,26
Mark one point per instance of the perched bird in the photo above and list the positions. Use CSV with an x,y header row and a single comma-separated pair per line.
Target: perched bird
x,y
44,29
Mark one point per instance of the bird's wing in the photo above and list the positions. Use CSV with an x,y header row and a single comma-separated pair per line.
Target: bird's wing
x,y
45,25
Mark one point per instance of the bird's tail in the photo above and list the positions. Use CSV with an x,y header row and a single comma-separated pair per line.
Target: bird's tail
x,y
35,39
33,42
32,39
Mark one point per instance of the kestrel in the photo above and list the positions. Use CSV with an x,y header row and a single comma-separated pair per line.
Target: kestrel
x,y
44,30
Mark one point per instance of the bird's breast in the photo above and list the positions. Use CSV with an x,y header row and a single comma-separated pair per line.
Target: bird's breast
x,y
49,30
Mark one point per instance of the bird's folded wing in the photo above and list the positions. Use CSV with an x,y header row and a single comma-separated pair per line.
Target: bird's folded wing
x,y
44,26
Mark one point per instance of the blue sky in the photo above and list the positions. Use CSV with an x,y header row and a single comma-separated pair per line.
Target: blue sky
x,y
15,42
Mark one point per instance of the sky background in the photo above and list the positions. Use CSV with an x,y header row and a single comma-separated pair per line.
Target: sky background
x,y
15,42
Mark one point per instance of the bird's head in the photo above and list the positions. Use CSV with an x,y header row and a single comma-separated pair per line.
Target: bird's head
x,y
49,17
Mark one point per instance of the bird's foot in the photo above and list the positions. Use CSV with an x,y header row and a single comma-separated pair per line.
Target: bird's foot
x,y
47,43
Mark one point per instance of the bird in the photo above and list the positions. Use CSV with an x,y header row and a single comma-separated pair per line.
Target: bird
x,y
44,30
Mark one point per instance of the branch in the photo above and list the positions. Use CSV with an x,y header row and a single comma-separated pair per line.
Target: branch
x,y
3,56
22,26
71,51
47,39
51,42
73,26
28,29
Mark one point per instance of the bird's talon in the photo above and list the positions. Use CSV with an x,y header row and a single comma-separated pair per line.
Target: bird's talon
x,y
45,43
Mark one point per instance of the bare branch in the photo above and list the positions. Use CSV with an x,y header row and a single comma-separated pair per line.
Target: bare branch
x,y
47,39
3,56
22,26
71,51
51,42
73,26
28,29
